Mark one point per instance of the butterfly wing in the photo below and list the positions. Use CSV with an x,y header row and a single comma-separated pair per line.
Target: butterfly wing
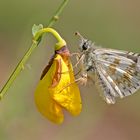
x,y
118,73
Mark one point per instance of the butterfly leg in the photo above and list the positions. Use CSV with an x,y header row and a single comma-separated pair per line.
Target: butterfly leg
x,y
79,58
79,61
81,80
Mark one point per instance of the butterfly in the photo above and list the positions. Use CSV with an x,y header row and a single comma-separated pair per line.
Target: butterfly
x,y
116,72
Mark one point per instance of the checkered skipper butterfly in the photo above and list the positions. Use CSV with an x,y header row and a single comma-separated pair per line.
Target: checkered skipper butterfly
x,y
117,72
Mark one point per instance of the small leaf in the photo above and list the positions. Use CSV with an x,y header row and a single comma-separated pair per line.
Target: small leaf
x,y
36,28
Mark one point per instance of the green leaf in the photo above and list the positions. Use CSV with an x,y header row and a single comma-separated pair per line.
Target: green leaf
x,y
36,28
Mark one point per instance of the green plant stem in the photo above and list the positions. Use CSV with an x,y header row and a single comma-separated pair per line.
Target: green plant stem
x,y
22,62
58,12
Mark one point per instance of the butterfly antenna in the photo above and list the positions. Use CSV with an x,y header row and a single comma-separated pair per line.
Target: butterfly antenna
x,y
78,34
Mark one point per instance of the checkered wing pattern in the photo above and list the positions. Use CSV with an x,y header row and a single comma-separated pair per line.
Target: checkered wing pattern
x,y
118,73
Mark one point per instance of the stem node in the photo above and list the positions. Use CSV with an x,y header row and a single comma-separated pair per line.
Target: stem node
x,y
56,18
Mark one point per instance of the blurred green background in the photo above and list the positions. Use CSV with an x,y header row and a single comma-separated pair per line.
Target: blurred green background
x,y
110,23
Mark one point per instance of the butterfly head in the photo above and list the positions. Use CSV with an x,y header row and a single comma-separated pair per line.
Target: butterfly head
x,y
85,44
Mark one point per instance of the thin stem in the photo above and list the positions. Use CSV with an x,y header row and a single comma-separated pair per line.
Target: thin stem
x,y
35,43
58,12
17,70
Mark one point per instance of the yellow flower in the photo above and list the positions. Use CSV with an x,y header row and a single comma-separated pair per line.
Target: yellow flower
x,y
55,91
